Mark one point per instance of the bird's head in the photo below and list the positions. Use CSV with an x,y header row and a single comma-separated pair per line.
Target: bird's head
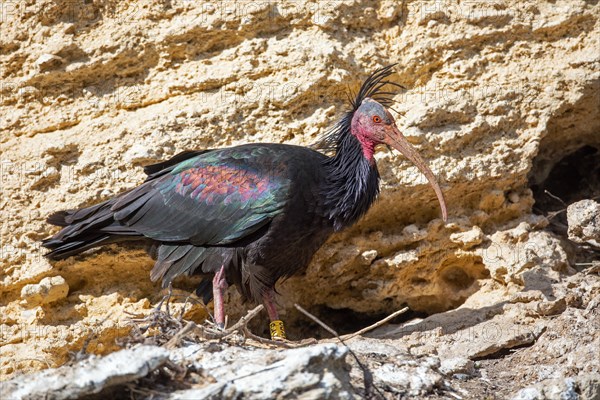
x,y
372,124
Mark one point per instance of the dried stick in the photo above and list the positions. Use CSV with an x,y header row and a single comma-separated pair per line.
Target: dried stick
x,y
213,333
174,341
318,321
375,325
555,197
262,340
368,377
245,319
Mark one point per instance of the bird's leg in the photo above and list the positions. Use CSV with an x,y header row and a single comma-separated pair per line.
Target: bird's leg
x,y
219,287
276,326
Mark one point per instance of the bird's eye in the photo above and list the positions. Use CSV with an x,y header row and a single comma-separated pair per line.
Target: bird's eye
x,y
376,119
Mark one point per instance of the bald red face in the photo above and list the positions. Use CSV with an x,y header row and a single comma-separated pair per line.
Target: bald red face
x,y
372,124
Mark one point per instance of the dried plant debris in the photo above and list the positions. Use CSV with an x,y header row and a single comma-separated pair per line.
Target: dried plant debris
x,y
87,377
415,359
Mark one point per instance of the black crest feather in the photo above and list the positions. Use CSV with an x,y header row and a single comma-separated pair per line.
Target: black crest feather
x,y
370,88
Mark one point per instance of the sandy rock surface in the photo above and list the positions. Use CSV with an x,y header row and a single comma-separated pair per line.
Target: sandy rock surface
x,y
584,222
502,99
529,347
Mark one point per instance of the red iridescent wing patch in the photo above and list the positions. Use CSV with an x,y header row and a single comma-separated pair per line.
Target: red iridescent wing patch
x,y
222,184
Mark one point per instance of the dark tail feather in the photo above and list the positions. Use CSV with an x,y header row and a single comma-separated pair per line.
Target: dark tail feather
x,y
62,250
58,218
176,259
84,229
173,260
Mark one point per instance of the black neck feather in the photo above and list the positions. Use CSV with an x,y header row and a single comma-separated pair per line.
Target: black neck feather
x,y
352,183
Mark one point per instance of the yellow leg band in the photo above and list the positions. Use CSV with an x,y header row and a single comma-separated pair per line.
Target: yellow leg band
x,y
277,330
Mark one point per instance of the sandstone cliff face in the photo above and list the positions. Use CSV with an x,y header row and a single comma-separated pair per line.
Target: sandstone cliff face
x,y
498,93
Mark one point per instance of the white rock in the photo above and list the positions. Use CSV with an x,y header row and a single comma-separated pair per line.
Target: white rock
x,y
529,394
458,365
468,239
140,153
580,387
367,257
314,372
46,62
49,289
584,221
415,380
87,377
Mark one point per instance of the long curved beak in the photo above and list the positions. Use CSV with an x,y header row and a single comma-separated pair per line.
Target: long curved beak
x,y
399,142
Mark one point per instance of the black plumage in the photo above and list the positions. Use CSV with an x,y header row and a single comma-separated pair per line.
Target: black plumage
x,y
257,212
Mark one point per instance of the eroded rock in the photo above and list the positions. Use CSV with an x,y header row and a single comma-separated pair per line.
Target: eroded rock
x,y
584,221
318,372
583,387
46,62
87,377
49,290
497,94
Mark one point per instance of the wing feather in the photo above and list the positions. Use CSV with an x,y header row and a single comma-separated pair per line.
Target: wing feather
x,y
211,199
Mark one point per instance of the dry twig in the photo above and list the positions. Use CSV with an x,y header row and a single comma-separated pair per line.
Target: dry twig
x,y
211,331
176,339
367,376
278,343
245,319
375,325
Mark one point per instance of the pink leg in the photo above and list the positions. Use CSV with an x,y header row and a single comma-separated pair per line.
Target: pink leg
x,y
269,300
219,287
276,326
